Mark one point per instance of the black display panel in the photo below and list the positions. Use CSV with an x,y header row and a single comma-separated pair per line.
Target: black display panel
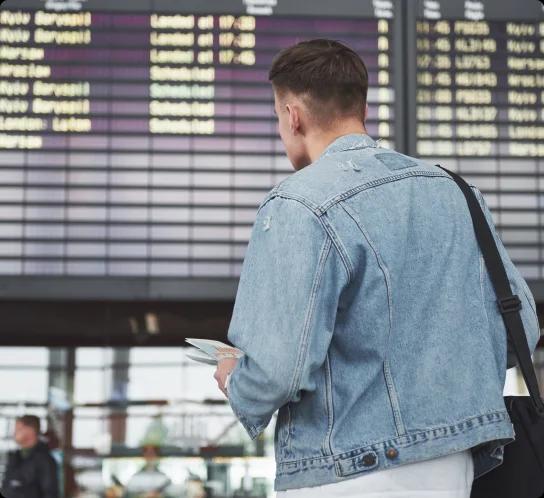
x,y
138,138
480,109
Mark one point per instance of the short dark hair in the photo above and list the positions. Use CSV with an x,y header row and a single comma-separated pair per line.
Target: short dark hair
x,y
30,421
330,77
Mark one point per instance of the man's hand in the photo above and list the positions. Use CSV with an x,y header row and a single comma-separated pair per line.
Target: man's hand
x,y
224,367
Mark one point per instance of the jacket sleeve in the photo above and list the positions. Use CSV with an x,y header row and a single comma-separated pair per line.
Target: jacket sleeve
x,y
285,310
48,477
519,287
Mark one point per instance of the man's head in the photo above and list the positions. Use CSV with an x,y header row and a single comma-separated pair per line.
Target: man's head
x,y
27,431
150,452
320,89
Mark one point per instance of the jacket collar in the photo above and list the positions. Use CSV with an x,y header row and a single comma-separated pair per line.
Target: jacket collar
x,y
349,142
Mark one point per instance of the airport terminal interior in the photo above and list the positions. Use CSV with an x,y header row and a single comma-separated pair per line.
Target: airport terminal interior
x,y
137,139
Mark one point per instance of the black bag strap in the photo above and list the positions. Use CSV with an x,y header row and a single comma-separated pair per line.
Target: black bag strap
x,y
509,303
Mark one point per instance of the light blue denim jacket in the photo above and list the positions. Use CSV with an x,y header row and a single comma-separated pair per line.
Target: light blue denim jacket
x,y
367,317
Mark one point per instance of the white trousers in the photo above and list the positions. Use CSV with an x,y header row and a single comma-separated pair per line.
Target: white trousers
x,y
444,477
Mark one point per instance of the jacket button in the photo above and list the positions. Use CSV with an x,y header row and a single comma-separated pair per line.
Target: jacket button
x,y
392,453
369,460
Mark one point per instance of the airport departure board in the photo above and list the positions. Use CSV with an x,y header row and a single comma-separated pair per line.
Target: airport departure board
x,y
480,109
138,138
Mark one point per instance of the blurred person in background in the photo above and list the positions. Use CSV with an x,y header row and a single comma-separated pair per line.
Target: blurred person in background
x,y
149,481
31,471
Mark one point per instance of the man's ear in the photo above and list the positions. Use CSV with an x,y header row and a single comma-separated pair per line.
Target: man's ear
x,y
294,118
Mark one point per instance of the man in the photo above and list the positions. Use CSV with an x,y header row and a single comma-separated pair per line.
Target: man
x,y
31,471
149,481
364,309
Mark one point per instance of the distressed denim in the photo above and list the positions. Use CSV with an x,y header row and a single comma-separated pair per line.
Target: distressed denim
x,y
368,319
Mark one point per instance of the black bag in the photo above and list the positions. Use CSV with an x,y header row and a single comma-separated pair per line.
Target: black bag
x,y
521,475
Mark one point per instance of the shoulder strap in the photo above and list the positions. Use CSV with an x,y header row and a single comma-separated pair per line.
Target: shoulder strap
x,y
509,303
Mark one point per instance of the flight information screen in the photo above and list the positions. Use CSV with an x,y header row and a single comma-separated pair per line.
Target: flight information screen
x,y
480,109
138,138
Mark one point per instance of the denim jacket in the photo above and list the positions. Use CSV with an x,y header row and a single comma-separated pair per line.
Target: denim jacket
x,y
367,317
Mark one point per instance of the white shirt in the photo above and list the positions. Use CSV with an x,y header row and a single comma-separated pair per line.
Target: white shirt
x,y
444,477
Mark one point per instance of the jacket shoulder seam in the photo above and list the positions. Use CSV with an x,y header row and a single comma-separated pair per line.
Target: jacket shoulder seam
x,y
327,228
291,196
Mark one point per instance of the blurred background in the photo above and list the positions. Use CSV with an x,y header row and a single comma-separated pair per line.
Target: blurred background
x,y
137,140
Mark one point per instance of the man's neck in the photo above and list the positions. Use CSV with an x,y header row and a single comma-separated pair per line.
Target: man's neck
x,y
318,143
28,446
